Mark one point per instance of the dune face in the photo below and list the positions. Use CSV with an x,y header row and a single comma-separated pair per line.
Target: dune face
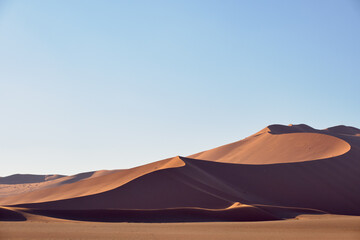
x,y
279,172
278,144
79,185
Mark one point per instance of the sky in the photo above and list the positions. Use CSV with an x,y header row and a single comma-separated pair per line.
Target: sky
x,y
91,85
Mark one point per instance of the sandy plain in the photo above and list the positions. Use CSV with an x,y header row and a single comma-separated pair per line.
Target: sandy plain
x,y
310,227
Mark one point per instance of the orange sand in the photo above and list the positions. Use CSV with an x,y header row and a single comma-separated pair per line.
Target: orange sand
x,y
281,172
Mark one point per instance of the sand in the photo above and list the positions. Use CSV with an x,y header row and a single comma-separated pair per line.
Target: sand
x,y
327,227
282,182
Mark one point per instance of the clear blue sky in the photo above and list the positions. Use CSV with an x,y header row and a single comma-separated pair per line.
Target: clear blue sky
x,y
90,85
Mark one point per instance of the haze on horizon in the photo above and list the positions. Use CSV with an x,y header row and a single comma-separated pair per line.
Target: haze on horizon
x,y
89,85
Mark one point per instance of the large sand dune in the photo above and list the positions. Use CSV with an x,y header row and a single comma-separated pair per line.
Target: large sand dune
x,y
279,144
279,172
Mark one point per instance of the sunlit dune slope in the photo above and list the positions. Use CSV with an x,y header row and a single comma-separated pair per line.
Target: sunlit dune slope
x,y
278,144
91,185
22,183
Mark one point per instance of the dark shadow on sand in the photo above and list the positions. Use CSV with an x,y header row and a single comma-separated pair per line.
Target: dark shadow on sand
x,y
8,215
157,216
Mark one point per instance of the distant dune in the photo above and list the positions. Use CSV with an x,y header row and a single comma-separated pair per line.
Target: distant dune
x,y
23,183
28,178
277,173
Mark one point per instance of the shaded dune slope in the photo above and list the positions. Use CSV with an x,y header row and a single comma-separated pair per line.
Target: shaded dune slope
x,y
10,215
278,172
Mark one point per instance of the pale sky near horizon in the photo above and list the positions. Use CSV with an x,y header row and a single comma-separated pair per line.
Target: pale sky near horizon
x,y
91,85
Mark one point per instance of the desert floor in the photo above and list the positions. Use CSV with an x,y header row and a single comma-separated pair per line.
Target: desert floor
x,y
309,227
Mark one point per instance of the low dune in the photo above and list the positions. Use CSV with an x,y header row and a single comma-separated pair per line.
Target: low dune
x,y
22,183
28,178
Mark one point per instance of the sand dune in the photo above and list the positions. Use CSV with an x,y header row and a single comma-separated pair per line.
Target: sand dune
x,y
313,185
279,144
21,183
90,186
28,178
344,130
279,172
